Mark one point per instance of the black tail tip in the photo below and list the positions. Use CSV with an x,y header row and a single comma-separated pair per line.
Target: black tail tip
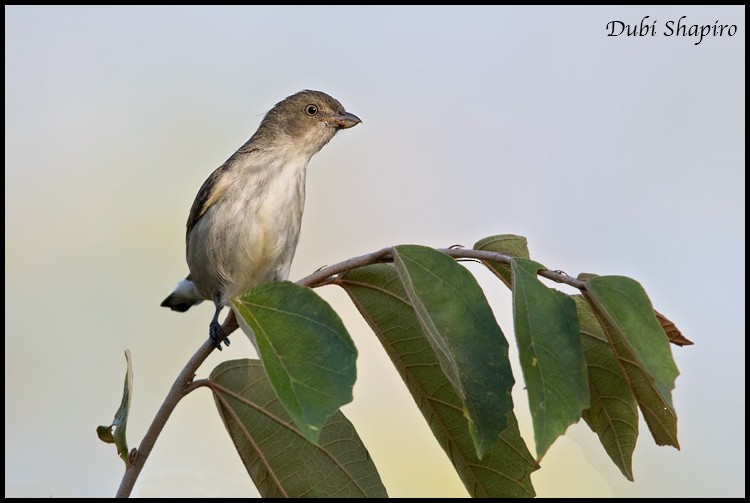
x,y
176,305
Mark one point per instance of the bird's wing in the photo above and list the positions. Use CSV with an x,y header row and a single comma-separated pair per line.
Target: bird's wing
x,y
210,192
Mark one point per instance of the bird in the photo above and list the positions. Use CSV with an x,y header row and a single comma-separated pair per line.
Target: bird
x,y
245,221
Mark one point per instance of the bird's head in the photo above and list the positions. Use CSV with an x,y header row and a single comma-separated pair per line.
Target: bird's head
x,y
307,119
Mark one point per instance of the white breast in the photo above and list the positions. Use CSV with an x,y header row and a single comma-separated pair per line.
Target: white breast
x,y
252,231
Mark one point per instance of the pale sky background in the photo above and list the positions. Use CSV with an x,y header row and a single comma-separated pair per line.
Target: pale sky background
x,y
612,155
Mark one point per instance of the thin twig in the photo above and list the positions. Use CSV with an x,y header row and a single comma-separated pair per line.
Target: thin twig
x,y
327,275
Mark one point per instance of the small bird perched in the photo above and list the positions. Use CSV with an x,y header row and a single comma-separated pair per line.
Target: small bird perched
x,y
245,221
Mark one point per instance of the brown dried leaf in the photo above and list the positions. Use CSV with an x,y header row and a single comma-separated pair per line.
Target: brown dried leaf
x,y
673,333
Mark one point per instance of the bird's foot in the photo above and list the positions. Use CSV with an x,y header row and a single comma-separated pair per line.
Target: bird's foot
x,y
217,335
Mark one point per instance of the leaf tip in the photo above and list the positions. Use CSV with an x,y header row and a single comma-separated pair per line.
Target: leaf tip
x,y
105,434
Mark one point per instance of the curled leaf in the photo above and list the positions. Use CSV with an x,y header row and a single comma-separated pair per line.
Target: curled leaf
x,y
115,433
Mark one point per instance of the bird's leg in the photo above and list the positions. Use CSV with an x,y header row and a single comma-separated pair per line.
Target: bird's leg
x,y
215,332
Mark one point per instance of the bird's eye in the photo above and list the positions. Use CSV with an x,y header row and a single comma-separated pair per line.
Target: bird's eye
x,y
311,110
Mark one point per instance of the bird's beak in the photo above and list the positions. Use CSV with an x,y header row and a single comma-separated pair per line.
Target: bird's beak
x,y
345,120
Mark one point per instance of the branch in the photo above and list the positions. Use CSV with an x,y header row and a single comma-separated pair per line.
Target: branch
x,y
329,274
181,387
326,275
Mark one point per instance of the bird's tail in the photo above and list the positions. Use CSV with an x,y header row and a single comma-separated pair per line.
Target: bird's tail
x,y
185,296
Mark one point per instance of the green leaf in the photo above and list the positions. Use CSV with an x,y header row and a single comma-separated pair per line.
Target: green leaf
x,y
305,349
673,333
626,304
613,414
505,469
627,316
281,462
508,244
549,346
120,422
460,327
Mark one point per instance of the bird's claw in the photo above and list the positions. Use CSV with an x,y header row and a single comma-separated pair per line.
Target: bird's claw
x,y
217,335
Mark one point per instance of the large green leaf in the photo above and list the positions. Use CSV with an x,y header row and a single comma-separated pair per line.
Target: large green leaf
x,y
627,316
509,244
460,327
505,469
549,346
628,307
120,422
279,459
613,414
305,349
